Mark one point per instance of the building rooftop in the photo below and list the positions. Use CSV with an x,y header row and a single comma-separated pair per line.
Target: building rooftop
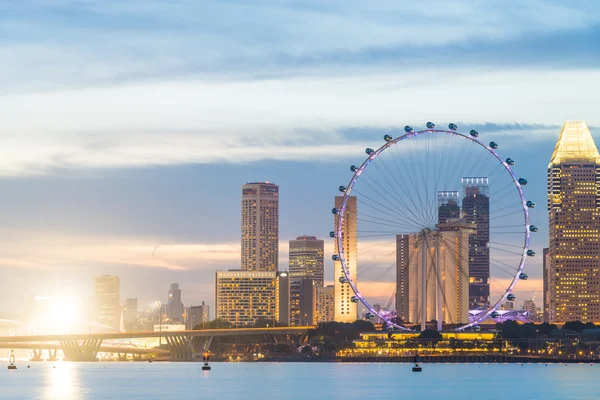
x,y
575,143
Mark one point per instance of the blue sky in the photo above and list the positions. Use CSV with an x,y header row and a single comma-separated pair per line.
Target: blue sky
x,y
132,124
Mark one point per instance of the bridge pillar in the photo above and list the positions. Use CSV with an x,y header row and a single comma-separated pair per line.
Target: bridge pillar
x,y
52,355
36,355
181,347
86,350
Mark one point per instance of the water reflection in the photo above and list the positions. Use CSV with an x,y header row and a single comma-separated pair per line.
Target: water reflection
x,y
62,382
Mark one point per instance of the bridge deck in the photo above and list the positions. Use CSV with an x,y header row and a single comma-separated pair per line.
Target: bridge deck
x,y
136,335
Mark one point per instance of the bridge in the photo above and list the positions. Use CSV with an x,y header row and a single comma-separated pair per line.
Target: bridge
x,y
180,344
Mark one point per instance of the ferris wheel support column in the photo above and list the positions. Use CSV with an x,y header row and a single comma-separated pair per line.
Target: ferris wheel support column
x,y
438,266
423,280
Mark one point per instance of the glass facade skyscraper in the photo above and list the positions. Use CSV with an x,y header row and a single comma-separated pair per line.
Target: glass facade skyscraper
x,y
476,211
574,226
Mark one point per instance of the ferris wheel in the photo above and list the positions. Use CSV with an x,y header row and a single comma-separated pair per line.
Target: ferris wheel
x,y
432,230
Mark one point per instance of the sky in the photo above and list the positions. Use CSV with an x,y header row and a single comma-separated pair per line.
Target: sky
x,y
128,127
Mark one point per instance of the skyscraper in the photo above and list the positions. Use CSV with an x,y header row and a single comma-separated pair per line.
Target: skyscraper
x,y
448,207
574,219
476,211
546,284
260,226
107,290
306,264
445,297
175,306
325,303
345,309
242,297
284,298
130,315
197,316
306,259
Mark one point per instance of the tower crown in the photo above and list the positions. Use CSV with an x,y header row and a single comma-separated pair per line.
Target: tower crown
x,y
575,143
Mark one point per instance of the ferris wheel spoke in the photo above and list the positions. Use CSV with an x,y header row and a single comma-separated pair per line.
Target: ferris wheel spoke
x,y
398,197
409,193
389,200
382,209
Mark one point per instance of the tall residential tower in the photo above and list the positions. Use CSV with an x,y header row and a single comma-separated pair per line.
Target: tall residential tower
x,y
345,309
574,219
260,226
476,211
107,290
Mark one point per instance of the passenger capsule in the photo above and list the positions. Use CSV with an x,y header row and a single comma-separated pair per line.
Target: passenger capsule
x,y
511,297
335,257
369,151
369,316
353,168
388,138
522,181
343,279
530,204
354,299
474,133
523,276
342,188
452,127
495,314
332,234
408,129
335,211
530,253
430,125
533,228
510,161
493,145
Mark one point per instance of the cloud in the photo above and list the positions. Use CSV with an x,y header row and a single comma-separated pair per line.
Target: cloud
x,y
111,41
57,251
291,119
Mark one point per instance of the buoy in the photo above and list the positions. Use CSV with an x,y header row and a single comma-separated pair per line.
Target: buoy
x,y
206,358
416,368
12,360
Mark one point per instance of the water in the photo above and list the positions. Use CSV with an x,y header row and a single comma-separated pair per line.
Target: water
x,y
290,381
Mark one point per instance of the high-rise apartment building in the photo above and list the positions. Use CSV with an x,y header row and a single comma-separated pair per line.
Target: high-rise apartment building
x,y
284,298
574,226
303,302
107,290
175,305
242,297
306,264
260,226
476,211
325,303
345,309
130,315
197,316
306,259
445,295
448,207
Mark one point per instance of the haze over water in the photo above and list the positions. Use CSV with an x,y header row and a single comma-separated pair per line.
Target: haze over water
x,y
129,381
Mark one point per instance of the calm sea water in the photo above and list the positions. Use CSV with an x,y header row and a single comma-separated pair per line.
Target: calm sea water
x,y
127,381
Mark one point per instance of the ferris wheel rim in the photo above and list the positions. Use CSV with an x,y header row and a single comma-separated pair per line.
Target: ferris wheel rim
x,y
348,190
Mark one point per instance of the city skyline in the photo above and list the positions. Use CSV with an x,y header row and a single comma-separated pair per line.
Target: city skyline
x,y
116,165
